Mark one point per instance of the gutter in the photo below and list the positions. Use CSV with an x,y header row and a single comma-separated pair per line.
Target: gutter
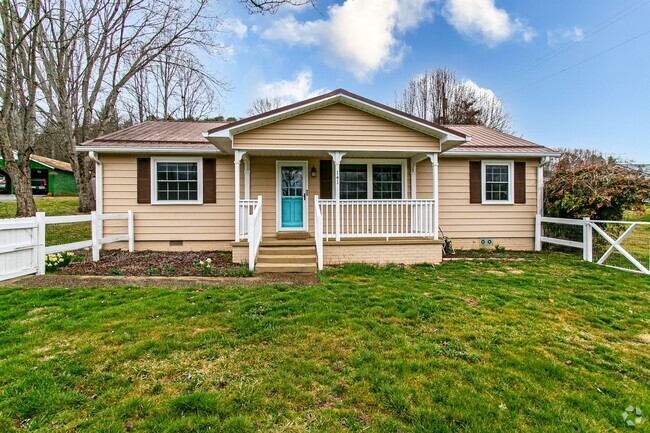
x,y
540,185
141,150
472,154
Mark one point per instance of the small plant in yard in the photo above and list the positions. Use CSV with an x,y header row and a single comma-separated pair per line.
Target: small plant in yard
x,y
59,260
168,269
153,272
116,272
205,265
499,249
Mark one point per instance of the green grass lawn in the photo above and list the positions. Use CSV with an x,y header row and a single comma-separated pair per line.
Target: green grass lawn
x,y
551,345
54,206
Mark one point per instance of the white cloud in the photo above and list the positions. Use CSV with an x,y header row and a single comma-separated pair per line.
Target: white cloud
x,y
236,27
484,21
560,36
361,36
289,91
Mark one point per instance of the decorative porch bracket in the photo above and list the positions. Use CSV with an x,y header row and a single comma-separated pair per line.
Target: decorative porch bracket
x,y
337,157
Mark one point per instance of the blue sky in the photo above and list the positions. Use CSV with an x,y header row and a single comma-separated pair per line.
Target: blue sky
x,y
373,47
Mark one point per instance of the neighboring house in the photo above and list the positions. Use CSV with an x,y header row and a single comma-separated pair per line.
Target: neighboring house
x,y
385,181
49,176
644,168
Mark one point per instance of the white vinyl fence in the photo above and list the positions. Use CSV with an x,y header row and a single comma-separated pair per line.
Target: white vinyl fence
x,y
636,253
22,240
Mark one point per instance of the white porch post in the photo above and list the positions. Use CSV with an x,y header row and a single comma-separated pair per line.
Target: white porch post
x,y
247,177
414,176
239,154
337,157
434,163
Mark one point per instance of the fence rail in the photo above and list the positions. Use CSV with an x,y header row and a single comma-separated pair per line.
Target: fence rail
x,y
589,226
23,248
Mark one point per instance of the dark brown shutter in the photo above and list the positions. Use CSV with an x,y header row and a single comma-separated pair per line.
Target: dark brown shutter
x,y
209,180
326,179
520,182
475,182
144,180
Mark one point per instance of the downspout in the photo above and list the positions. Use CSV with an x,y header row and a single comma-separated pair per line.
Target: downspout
x,y
99,189
540,203
540,185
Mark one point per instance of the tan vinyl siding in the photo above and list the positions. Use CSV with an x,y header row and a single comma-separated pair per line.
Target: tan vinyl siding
x,y
207,224
336,127
512,226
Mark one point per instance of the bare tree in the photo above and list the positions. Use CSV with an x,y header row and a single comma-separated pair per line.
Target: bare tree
x,y
174,86
438,96
89,52
18,95
263,105
272,6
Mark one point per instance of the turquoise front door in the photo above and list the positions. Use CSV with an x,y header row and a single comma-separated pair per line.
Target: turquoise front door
x,y
292,200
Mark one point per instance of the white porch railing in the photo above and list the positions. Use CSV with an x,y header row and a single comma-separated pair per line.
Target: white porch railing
x,y
318,232
245,210
378,218
254,232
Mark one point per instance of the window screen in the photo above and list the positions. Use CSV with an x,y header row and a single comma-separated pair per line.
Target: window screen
x,y
177,181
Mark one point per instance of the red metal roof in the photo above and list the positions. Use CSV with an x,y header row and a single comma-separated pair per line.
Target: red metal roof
x,y
486,139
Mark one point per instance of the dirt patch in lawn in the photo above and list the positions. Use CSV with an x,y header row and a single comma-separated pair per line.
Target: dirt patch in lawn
x,y
158,263
78,281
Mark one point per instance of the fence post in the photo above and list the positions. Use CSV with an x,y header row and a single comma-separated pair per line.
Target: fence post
x,y
131,232
40,243
587,240
538,232
94,223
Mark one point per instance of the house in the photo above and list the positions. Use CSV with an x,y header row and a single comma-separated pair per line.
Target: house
x,y
337,178
49,176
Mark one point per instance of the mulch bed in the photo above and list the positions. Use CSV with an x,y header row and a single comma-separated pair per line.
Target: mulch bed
x,y
155,263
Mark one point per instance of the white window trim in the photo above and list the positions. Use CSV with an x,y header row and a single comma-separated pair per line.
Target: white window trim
x,y
154,180
511,183
369,163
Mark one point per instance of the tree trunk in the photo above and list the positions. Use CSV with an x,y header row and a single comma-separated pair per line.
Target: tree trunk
x,y
25,206
22,181
84,176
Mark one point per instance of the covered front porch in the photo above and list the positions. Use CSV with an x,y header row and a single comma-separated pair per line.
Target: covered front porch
x,y
349,206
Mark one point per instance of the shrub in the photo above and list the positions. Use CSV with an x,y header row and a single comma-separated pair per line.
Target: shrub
x,y
588,184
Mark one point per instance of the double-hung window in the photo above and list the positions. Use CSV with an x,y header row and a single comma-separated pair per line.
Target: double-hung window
x,y
177,180
497,182
376,180
354,181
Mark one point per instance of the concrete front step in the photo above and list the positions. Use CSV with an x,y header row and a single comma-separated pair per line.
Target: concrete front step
x,y
287,255
287,251
277,258
287,243
286,268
